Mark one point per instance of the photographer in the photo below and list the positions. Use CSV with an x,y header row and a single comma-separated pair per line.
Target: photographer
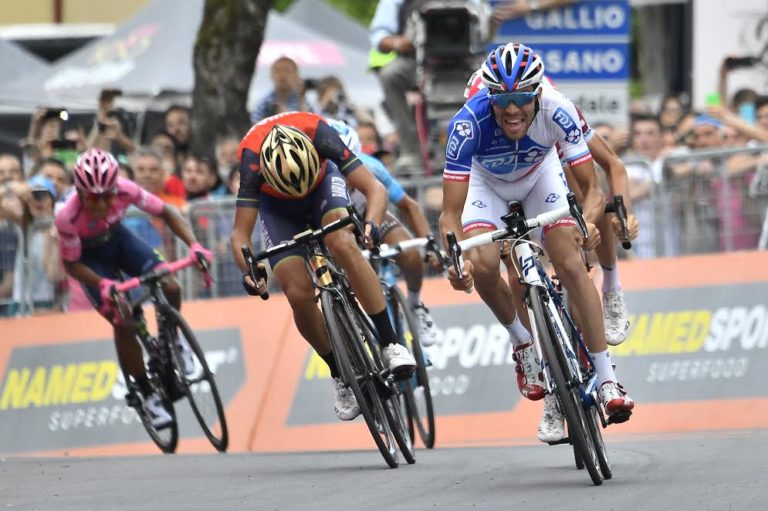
x,y
288,92
108,132
44,130
332,102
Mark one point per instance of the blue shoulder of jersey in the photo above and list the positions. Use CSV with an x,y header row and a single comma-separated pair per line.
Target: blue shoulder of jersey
x,y
395,191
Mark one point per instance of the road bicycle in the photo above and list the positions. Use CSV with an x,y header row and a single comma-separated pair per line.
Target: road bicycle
x,y
566,364
355,343
163,359
416,394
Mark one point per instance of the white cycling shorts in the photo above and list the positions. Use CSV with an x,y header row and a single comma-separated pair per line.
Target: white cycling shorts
x,y
543,190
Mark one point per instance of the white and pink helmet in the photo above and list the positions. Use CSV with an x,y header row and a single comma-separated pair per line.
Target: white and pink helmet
x,y
96,172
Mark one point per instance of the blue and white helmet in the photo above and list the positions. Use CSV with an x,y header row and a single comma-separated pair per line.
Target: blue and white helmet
x,y
347,134
511,67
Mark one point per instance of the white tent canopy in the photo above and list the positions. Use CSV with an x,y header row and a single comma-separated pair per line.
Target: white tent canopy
x,y
151,55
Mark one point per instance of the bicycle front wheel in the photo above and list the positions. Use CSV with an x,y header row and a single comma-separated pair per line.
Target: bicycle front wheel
x,y
356,373
567,391
417,394
199,387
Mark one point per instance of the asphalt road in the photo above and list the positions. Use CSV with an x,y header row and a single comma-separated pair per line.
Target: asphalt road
x,y
718,471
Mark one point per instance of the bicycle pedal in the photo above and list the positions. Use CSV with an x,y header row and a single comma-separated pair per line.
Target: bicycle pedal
x,y
619,417
132,400
565,440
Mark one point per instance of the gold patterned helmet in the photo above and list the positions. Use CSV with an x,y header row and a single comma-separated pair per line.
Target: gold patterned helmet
x,y
289,161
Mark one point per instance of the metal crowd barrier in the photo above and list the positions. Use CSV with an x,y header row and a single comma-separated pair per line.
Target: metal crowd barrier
x,y
698,202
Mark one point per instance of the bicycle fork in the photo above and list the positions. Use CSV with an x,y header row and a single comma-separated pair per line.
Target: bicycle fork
x,y
531,278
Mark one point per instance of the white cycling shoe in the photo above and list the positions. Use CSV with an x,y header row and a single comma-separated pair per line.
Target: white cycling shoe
x,y
615,318
344,402
552,424
156,411
399,360
428,334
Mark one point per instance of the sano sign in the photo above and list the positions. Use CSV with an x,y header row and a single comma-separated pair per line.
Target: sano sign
x,y
585,48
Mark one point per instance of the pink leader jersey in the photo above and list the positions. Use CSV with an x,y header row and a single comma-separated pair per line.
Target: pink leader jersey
x,y
75,224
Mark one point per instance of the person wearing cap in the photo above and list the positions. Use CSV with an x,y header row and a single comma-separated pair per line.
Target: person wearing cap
x,y
38,253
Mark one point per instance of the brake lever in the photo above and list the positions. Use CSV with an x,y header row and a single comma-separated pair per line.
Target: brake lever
x,y
254,271
454,250
578,215
621,214
207,277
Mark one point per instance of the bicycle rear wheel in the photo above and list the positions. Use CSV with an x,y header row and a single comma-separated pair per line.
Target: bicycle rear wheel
x,y
570,398
356,374
417,394
166,439
200,388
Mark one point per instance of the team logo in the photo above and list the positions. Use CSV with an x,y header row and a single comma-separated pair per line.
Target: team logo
x,y
552,198
479,204
533,155
462,131
567,124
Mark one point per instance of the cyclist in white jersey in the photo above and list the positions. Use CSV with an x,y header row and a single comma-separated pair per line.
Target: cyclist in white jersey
x,y
615,312
501,147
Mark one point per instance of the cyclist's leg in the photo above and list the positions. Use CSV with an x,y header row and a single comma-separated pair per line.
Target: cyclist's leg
x,y
412,264
102,261
615,313
329,204
482,213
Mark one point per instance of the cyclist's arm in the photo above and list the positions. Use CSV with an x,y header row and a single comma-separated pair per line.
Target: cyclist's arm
x,y
245,221
82,273
178,225
454,196
593,203
613,167
375,194
416,218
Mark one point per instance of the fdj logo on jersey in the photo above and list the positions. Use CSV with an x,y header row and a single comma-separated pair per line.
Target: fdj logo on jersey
x,y
571,130
462,131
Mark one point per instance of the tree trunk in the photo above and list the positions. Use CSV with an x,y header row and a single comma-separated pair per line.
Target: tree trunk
x,y
228,42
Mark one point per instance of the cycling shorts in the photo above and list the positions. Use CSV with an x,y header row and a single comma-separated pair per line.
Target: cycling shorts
x,y
282,219
122,253
488,197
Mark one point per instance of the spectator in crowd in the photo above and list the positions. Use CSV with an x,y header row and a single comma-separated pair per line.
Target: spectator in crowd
x,y
44,128
371,143
57,172
167,146
199,178
646,179
390,35
617,138
332,102
672,111
176,120
743,101
288,92
108,131
149,174
233,179
38,271
227,154
10,172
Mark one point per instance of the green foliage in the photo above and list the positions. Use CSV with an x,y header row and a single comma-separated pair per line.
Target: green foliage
x,y
360,10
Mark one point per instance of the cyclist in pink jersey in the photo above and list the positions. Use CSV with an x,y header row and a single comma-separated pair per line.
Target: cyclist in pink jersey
x,y
97,249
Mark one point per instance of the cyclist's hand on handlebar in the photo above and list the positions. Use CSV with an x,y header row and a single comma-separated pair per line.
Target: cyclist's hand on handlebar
x,y
255,288
465,282
594,237
632,226
202,253
372,235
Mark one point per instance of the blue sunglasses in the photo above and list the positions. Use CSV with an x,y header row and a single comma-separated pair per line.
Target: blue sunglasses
x,y
520,99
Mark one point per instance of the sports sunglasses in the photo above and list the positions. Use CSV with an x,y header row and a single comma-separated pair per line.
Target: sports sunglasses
x,y
520,99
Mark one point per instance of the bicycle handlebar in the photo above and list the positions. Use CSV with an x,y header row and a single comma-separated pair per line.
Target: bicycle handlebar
x,y
620,210
254,270
166,269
